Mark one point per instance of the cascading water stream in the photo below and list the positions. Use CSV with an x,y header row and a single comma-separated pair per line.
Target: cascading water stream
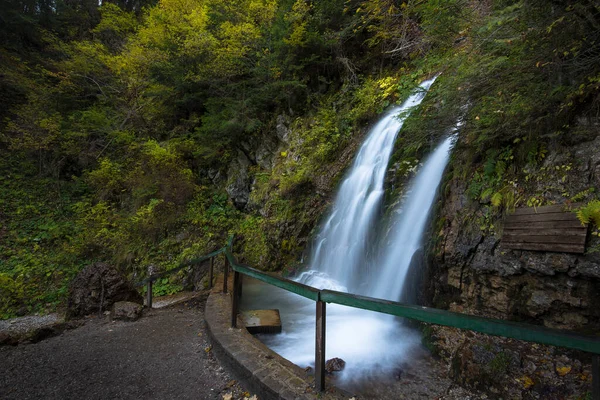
x,y
407,229
342,243
372,344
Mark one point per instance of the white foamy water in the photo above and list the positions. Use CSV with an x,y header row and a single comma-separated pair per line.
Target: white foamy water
x,y
371,343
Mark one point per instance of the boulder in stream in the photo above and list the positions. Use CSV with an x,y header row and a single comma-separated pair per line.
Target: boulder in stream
x,y
334,365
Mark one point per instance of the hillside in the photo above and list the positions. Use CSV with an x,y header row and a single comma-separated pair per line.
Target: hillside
x,y
143,134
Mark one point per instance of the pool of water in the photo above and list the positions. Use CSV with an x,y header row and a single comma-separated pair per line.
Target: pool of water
x,y
373,345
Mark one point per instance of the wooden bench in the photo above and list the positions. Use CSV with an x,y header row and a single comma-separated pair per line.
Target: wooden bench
x,y
550,228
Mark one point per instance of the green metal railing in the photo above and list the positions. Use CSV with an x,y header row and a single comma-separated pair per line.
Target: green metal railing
x,y
490,326
149,281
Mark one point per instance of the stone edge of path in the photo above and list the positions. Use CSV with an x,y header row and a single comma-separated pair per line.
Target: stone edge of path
x,y
264,371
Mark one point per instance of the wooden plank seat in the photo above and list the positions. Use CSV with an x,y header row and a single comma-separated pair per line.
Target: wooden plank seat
x,y
262,321
550,228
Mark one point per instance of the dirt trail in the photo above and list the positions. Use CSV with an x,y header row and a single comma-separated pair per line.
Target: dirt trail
x,y
164,355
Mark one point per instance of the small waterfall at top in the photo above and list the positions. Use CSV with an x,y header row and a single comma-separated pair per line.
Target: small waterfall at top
x,y
341,246
372,344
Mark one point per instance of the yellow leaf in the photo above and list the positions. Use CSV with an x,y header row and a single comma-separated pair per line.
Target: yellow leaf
x,y
562,371
526,381
227,396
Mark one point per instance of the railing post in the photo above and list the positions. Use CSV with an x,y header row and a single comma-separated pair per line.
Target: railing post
x,y
235,299
225,274
210,272
320,347
149,294
595,377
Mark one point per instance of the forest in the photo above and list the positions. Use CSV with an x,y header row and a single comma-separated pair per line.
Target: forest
x,y
144,133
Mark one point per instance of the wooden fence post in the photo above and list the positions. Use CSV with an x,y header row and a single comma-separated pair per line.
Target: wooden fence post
x,y
320,347
235,299
595,377
149,294
210,272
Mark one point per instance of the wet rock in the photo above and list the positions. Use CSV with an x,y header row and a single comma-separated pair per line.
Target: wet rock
x,y
215,175
469,246
486,259
126,311
539,302
588,269
265,153
548,263
510,369
335,364
238,181
96,288
283,132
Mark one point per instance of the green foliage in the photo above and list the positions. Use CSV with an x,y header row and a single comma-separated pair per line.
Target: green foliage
x,y
590,213
12,294
164,287
113,118
254,242
500,363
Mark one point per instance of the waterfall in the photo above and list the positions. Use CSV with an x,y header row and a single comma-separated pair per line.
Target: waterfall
x,y
341,246
372,344
408,225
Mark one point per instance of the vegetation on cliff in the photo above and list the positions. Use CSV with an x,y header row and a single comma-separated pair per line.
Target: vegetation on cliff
x,y
144,133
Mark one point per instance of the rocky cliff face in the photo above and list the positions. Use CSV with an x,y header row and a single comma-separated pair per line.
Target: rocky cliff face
x,y
287,213
474,273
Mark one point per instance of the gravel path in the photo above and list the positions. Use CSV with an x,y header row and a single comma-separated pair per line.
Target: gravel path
x,y
164,355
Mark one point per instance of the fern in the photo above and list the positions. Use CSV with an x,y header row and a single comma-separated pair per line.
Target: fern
x,y
489,168
486,194
474,189
590,213
496,199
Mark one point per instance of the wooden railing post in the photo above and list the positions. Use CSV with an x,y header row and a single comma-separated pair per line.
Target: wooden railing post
x,y
225,274
595,377
210,272
320,347
149,294
235,299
